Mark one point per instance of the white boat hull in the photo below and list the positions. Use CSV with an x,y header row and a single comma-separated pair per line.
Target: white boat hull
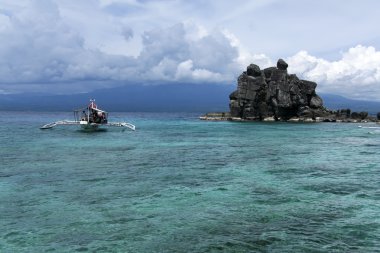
x,y
88,126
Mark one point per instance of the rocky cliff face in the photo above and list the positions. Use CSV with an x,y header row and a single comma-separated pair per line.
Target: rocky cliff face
x,y
273,93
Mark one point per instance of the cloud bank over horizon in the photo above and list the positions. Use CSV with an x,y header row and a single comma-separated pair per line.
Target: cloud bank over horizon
x,y
48,47
356,74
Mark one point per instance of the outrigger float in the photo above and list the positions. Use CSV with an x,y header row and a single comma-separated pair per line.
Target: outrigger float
x,y
90,118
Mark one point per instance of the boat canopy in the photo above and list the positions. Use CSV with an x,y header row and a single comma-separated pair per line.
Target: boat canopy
x,y
91,106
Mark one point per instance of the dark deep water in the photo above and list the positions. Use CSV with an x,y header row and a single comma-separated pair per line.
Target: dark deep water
x,y
178,184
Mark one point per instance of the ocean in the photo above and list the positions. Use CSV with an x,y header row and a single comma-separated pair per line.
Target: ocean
x,y
178,184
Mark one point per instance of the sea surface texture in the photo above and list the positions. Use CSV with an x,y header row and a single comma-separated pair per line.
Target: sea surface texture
x,y
178,184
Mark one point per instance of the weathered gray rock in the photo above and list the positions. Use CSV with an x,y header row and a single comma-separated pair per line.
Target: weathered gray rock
x,y
281,64
316,101
305,111
308,87
234,95
272,92
268,72
253,70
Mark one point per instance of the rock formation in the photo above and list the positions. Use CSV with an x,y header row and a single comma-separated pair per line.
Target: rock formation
x,y
274,94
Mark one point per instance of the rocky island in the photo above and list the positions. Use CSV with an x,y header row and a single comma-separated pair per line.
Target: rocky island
x,y
272,94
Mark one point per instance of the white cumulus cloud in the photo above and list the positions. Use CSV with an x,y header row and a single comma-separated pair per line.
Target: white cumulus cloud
x,y
174,53
46,54
355,75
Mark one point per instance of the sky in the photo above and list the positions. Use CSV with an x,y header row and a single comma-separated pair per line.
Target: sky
x,y
75,46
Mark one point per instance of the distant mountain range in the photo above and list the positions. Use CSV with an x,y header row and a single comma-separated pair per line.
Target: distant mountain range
x,y
156,98
335,102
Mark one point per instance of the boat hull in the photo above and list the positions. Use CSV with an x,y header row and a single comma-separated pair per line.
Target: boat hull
x,y
89,126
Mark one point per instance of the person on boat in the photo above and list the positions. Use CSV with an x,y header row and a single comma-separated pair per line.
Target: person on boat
x,y
95,117
84,116
104,117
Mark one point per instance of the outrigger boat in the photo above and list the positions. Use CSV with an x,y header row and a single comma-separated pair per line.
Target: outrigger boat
x,y
90,118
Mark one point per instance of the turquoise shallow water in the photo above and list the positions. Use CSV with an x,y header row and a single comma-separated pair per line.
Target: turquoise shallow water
x,y
178,184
